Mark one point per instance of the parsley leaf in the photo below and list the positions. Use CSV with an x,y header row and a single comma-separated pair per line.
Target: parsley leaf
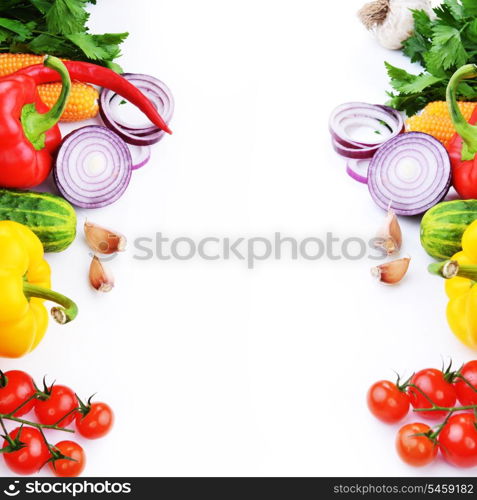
x,y
407,83
41,5
447,43
470,7
441,43
56,27
22,30
422,23
415,46
46,43
98,46
66,17
455,8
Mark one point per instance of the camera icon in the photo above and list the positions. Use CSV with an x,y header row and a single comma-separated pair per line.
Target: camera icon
x,y
12,490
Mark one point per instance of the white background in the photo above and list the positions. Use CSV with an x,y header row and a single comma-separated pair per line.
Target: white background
x,y
214,369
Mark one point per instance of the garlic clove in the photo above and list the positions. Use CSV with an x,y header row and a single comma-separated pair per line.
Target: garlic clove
x,y
99,276
103,240
391,272
389,237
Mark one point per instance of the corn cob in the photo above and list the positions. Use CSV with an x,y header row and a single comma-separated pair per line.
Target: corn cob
x,y
82,103
440,108
435,120
9,63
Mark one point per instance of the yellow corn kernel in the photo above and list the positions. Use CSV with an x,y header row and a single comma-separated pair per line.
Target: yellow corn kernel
x,y
82,102
440,108
9,63
439,127
435,120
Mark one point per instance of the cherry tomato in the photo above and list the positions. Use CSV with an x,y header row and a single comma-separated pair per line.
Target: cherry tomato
x,y
415,450
60,402
32,457
465,393
97,422
458,440
387,402
68,468
433,384
18,388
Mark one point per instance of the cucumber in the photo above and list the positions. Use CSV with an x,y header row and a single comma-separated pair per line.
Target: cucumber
x,y
50,217
443,225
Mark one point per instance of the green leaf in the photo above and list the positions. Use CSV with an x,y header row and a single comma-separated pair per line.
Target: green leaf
x,y
9,5
466,91
47,44
42,5
398,74
57,27
447,44
401,80
455,8
422,23
433,64
67,17
99,47
471,31
114,66
410,104
408,83
470,8
4,34
88,44
415,47
110,43
22,30
444,14
418,84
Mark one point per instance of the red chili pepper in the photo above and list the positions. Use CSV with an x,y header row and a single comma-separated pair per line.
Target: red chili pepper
x,y
462,148
103,77
29,133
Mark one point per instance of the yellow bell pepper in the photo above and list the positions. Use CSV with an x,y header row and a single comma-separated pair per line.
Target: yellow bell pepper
x,y
24,286
460,286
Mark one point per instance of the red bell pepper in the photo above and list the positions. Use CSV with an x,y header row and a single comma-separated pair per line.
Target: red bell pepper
x,y
29,134
462,148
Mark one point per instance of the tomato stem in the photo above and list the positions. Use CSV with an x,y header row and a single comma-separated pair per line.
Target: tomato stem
x,y
435,407
74,410
447,408
402,387
22,405
424,395
459,375
7,437
31,424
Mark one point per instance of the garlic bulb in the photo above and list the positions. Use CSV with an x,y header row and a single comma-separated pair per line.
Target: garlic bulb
x,y
391,20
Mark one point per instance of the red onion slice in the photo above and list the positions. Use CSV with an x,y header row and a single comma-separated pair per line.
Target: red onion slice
x,y
142,133
410,173
93,167
358,170
140,155
363,153
380,123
